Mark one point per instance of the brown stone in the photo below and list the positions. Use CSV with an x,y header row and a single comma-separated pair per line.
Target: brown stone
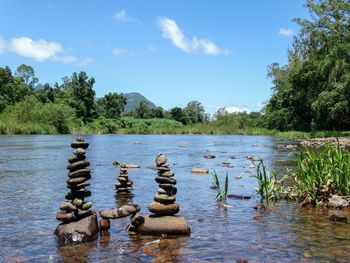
x,y
164,199
80,173
78,186
76,144
169,191
166,186
62,216
68,206
161,209
161,159
74,158
164,225
105,224
122,211
165,180
78,165
199,171
162,168
166,173
79,152
83,230
77,180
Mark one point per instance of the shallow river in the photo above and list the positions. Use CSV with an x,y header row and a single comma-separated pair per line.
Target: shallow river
x,y
32,186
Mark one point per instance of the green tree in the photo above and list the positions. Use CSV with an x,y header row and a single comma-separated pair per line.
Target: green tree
x,y
142,110
78,93
195,112
112,105
27,74
313,90
12,89
178,114
157,112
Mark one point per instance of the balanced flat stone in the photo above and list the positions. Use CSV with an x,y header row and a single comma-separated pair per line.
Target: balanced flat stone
x,y
162,168
76,144
164,199
83,230
166,186
61,216
77,202
165,180
78,186
78,165
166,173
122,211
168,191
164,225
86,206
75,158
163,210
77,180
80,173
68,206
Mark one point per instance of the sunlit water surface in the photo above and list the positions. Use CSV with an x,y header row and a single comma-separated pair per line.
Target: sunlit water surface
x,y
32,186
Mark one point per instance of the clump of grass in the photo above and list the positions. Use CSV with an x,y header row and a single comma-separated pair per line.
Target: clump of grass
x,y
221,191
320,174
269,187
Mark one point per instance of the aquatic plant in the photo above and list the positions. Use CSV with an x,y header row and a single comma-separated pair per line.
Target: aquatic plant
x,y
269,187
320,174
221,192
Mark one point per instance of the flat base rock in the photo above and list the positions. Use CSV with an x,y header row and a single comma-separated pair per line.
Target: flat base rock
x,y
80,231
169,225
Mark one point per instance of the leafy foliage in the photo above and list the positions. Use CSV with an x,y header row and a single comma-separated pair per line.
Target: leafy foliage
x,y
313,90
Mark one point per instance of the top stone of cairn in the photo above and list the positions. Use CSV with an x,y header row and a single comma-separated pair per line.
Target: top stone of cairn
x,y
161,159
79,143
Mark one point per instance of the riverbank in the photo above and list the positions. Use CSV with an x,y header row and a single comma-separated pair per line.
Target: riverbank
x,y
129,125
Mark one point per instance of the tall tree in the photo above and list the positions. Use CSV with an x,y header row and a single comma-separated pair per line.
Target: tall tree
x,y
27,74
195,111
313,90
112,105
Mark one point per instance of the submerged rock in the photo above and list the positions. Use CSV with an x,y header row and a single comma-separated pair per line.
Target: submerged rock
x,y
122,211
199,171
337,201
83,230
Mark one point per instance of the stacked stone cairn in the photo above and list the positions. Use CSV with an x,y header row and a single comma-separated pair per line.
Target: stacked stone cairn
x,y
164,201
163,220
123,184
76,208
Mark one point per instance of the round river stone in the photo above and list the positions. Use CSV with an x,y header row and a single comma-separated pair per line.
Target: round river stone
x,y
161,159
161,209
165,180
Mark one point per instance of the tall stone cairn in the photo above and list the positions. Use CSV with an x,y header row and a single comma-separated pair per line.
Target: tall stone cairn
x,y
75,207
123,184
164,201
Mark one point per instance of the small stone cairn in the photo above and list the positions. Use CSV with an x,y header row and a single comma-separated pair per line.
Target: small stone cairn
x,y
123,184
76,208
164,201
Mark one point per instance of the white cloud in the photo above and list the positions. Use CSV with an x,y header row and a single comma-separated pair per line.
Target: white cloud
x,y
66,59
85,62
287,32
122,52
2,45
123,17
40,50
172,31
233,109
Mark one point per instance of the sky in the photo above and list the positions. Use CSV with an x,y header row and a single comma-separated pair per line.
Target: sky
x,y
172,52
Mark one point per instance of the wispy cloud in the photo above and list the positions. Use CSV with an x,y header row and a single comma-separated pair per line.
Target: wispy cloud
x,y
40,50
234,109
173,32
287,32
85,61
122,16
2,45
122,52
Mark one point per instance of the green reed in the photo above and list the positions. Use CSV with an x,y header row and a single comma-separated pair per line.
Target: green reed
x,y
269,187
318,171
221,191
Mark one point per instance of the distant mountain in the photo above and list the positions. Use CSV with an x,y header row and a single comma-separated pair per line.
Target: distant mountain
x,y
133,99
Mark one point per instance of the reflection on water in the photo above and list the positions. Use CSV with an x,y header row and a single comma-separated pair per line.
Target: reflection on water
x,y
32,186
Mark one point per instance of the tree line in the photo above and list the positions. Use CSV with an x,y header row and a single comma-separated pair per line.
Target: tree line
x,y
310,92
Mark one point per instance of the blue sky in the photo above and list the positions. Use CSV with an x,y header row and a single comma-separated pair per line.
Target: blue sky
x,y
216,52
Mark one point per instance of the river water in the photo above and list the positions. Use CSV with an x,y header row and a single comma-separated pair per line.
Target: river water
x,y
32,186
